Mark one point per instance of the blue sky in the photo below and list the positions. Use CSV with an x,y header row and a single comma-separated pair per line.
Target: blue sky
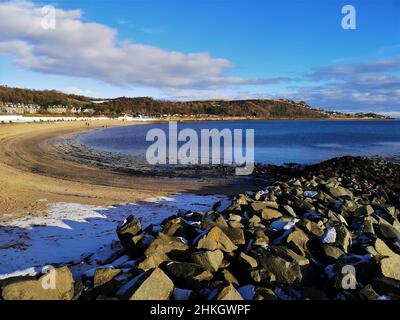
x,y
201,49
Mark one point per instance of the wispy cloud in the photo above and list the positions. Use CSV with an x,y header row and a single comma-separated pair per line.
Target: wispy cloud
x,y
370,85
354,70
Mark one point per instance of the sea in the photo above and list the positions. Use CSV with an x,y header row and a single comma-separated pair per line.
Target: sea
x,y
275,142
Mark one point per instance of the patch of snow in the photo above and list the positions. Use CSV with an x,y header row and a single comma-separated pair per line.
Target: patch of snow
x,y
278,225
181,294
58,215
329,236
157,228
69,232
384,298
194,223
120,261
247,292
32,271
290,225
284,225
310,194
106,254
23,119
183,240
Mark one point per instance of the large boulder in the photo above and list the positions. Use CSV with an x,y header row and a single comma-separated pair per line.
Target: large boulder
x,y
105,281
186,274
270,213
164,244
343,237
289,255
57,284
388,232
209,260
103,276
339,236
386,286
368,293
215,239
229,277
261,275
338,191
297,240
379,249
331,254
153,261
390,267
128,228
248,261
129,234
364,210
228,292
236,235
284,271
310,227
151,285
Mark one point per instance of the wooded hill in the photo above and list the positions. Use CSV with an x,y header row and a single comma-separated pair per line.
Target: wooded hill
x,y
261,108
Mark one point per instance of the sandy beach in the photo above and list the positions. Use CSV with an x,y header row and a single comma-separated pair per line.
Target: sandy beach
x,y
33,175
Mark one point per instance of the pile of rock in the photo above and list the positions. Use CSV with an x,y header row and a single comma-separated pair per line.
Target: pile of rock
x,y
313,237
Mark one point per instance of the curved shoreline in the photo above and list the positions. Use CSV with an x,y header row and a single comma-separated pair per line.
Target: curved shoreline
x,y
37,170
33,174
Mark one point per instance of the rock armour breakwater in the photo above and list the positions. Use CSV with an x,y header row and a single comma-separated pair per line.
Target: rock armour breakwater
x,y
329,232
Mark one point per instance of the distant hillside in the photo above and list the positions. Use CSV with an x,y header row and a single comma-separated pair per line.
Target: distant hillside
x,y
237,108
43,98
258,108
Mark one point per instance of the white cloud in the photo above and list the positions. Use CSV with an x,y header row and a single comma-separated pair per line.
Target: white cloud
x,y
91,50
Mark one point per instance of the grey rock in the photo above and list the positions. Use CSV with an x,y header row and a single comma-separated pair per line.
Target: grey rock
x,y
151,285
228,293
185,273
164,244
215,239
270,213
42,288
209,260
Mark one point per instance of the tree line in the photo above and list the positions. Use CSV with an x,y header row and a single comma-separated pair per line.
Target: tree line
x,y
272,108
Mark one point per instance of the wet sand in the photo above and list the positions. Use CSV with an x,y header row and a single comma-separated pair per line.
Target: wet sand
x,y
33,174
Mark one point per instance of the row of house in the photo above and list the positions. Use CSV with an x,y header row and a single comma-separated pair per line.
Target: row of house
x,y
20,108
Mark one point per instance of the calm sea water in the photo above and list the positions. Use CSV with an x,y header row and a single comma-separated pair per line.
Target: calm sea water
x,y
276,142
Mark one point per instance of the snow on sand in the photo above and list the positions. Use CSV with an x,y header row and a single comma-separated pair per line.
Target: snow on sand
x,y
70,232
22,119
